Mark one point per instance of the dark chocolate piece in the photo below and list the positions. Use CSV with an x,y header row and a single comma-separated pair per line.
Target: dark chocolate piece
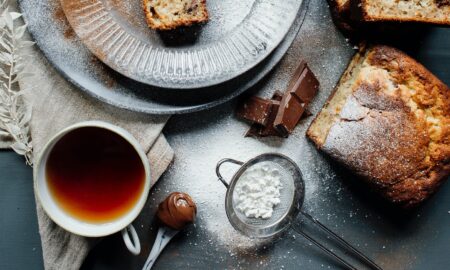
x,y
277,96
256,110
306,86
254,130
302,89
269,129
289,114
258,130
280,115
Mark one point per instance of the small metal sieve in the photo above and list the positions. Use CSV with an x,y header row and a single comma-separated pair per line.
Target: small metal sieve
x,y
286,212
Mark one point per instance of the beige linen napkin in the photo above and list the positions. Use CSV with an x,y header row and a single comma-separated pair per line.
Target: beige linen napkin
x,y
57,104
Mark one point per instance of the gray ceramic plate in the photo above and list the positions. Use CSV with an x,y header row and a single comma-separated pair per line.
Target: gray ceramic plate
x,y
238,36
54,36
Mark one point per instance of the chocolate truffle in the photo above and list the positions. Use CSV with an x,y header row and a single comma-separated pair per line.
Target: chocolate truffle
x,y
177,211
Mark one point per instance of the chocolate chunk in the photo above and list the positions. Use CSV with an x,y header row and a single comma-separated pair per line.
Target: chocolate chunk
x,y
277,96
289,114
269,129
302,89
258,130
254,130
256,110
304,84
280,115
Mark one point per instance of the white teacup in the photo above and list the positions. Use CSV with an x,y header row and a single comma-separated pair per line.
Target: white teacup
x,y
79,227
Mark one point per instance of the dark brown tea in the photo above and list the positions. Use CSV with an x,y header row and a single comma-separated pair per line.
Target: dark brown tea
x,y
95,175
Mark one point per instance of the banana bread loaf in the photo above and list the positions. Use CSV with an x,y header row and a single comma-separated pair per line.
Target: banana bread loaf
x,y
388,120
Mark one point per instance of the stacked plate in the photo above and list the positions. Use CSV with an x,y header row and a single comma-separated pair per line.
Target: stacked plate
x,y
116,58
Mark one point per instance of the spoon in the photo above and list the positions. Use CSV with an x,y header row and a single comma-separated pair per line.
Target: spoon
x,y
176,212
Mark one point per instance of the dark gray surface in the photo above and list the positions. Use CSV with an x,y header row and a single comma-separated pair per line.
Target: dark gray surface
x,y
20,245
397,240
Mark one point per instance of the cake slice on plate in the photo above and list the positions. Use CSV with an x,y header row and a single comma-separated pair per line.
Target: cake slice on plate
x,y
388,120
171,14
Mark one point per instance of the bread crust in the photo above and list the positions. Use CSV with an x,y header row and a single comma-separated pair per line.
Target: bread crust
x,y
340,11
358,12
393,129
175,24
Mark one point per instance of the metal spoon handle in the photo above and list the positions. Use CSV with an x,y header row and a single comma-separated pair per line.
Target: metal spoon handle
x,y
344,243
163,237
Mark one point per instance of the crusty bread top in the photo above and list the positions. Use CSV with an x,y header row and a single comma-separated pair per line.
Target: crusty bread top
x,y
171,14
389,120
428,11
424,94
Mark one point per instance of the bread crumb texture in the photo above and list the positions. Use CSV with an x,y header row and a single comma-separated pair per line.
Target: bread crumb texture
x,y
171,14
389,120
433,11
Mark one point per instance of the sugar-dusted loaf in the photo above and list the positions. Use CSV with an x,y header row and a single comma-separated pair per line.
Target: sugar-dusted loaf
x,y
388,120
171,14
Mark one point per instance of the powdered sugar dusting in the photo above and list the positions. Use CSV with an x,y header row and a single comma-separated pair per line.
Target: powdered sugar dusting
x,y
257,191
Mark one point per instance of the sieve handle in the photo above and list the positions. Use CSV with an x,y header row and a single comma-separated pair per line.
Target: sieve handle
x,y
324,249
339,239
344,243
220,163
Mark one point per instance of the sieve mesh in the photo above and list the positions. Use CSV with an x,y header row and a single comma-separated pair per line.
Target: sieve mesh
x,y
280,210
291,198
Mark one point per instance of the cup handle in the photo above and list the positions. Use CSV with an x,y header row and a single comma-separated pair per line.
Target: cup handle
x,y
131,242
220,163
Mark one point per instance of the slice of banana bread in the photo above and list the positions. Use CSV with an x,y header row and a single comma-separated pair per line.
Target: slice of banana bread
x,y
171,14
388,120
426,11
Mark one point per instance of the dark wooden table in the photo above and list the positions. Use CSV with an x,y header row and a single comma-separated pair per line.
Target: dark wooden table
x,y
427,232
